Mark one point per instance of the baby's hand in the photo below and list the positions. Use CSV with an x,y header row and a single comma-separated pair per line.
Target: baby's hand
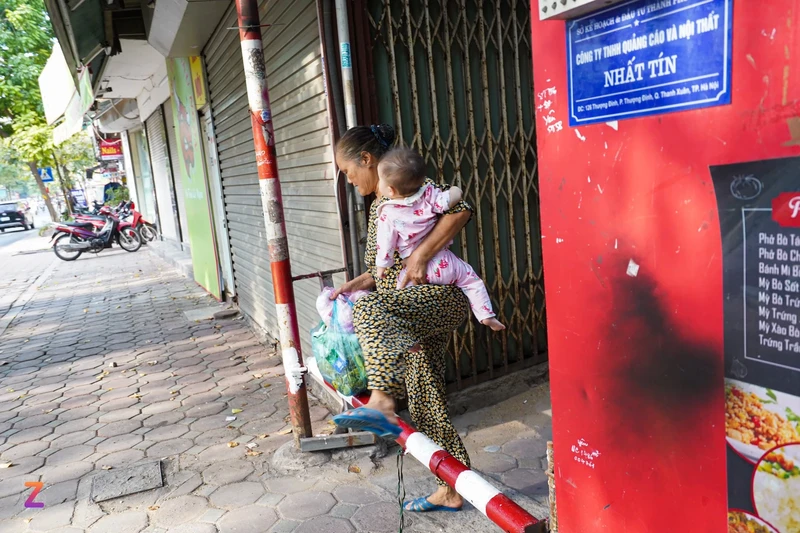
x,y
381,272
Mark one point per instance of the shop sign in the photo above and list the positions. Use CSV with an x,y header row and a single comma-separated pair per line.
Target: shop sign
x,y
198,81
110,150
649,57
759,214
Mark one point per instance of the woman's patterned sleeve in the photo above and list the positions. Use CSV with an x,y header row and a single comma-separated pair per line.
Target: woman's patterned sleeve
x,y
459,207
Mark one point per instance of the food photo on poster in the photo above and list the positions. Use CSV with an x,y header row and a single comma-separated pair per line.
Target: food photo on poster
x,y
743,522
759,214
776,488
758,419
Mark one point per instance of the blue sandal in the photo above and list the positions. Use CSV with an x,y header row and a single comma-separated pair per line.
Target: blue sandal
x,y
364,419
422,505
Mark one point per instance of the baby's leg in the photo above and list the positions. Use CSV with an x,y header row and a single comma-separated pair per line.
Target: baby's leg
x,y
446,268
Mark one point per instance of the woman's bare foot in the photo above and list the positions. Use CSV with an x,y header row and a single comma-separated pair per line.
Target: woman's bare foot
x,y
383,402
493,323
447,497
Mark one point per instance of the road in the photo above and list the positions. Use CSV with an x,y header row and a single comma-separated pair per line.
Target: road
x,y
21,261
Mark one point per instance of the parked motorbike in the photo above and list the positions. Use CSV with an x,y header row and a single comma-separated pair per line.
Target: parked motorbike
x,y
146,229
72,239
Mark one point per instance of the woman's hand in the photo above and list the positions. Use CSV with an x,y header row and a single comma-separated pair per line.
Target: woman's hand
x,y
416,266
364,282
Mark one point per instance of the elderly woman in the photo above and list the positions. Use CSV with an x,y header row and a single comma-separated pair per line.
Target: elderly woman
x,y
403,331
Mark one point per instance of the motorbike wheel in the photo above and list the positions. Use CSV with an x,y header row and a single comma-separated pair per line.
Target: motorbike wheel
x,y
148,232
66,255
129,240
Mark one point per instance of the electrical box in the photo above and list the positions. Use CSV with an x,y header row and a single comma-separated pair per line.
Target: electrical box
x,y
566,9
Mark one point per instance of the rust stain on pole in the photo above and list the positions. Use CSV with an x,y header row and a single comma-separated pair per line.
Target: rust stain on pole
x,y
272,202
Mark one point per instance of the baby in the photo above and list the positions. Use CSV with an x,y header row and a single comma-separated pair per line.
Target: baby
x,y
409,216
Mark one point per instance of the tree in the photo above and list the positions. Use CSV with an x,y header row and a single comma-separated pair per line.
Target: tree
x,y
26,40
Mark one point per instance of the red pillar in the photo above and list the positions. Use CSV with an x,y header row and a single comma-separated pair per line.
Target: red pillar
x,y
264,137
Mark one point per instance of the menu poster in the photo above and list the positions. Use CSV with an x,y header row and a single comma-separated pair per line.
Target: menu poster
x,y
759,211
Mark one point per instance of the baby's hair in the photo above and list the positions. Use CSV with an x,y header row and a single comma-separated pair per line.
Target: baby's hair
x,y
403,169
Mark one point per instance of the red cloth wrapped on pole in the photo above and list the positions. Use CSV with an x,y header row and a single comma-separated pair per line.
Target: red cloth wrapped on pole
x,y
266,160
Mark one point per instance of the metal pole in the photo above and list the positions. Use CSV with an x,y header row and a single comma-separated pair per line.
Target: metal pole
x,y
266,160
346,60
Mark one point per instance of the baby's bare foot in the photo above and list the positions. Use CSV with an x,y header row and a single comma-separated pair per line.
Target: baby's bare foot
x,y
493,323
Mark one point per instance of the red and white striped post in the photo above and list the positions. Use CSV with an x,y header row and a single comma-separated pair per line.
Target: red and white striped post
x,y
263,133
497,507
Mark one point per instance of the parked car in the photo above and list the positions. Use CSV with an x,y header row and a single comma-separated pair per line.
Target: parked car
x,y
15,214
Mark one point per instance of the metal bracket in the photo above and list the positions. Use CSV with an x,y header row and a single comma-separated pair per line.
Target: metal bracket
x,y
337,441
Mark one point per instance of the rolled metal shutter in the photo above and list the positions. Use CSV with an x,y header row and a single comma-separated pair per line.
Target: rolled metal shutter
x,y
162,175
177,178
299,109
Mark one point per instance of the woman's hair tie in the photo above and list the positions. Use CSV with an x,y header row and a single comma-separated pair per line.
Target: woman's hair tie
x,y
377,132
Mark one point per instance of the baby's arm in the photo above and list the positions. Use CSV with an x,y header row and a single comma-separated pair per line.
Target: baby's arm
x,y
386,244
443,200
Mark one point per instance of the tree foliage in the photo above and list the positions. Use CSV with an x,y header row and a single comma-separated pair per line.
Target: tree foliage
x,y
26,39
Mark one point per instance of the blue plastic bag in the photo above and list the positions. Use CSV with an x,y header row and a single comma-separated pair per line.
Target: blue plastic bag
x,y
338,354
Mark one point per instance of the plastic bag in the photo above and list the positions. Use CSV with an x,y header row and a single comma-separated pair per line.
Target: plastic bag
x,y
338,353
344,307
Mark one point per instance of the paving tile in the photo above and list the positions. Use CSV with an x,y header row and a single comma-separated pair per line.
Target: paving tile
x,y
237,494
30,434
494,463
167,432
168,448
285,526
288,485
179,511
121,427
328,524
212,515
27,449
377,518
529,482
73,439
355,495
52,517
226,472
68,455
303,505
343,510
250,519
129,522
54,494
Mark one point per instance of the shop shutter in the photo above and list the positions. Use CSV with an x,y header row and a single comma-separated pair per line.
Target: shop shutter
x,y
294,72
162,175
178,179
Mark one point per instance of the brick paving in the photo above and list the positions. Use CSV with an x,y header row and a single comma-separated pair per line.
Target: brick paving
x,y
101,370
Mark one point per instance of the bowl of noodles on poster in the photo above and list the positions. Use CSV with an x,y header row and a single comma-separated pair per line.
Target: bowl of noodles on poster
x,y
776,488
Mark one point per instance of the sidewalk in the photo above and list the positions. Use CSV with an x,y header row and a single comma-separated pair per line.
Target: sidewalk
x,y
102,370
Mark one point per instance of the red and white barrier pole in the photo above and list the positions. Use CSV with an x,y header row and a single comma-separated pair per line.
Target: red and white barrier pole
x,y
497,507
266,159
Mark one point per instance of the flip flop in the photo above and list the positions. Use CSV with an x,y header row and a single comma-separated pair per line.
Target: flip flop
x,y
364,419
422,505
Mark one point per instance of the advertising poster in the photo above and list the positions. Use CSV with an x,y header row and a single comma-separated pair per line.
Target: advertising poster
x,y
759,211
192,169
648,57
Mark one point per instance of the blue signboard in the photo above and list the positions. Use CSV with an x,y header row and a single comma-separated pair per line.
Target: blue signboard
x,y
46,174
648,57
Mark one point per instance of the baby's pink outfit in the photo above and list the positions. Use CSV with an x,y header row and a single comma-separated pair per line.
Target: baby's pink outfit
x,y
402,226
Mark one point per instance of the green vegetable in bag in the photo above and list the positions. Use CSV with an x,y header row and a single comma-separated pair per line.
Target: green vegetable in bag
x,y
339,357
